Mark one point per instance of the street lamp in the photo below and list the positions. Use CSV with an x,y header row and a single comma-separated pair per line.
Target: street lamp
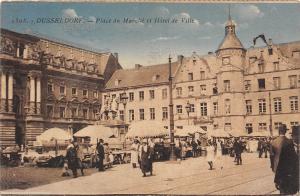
x,y
188,110
123,100
172,144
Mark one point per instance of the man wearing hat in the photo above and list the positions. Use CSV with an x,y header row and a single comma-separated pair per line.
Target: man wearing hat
x,y
284,163
100,150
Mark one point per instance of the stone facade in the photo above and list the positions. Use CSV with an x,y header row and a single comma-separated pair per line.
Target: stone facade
x,y
236,89
47,84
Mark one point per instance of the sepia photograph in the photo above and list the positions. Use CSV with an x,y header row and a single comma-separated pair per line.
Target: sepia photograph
x,y
149,98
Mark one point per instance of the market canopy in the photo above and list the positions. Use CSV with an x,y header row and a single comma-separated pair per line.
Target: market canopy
x,y
217,133
95,132
54,133
146,129
188,130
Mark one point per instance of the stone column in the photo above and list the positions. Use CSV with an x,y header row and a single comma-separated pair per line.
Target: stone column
x,y
32,95
3,92
38,95
10,92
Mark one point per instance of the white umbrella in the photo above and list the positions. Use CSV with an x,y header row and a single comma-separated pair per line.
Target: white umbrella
x,y
54,133
95,132
188,129
146,129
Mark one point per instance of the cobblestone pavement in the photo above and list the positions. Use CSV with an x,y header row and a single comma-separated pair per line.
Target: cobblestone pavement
x,y
186,177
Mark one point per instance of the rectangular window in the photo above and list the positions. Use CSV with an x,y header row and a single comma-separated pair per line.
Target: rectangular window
x,y
121,113
261,84
248,106
276,66
277,125
73,112
142,114
294,103
49,111
202,75
151,92
131,96
85,93
165,113
131,115
277,104
74,91
50,88
261,68
226,85
95,112
191,89
190,76
85,113
152,113
192,108
62,90
227,126
95,94
293,81
262,126
203,109
203,89
247,85
141,95
62,111
262,106
164,93
276,82
179,91
179,109
215,107
249,128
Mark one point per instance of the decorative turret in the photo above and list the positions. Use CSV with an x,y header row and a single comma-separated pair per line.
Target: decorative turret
x,y
230,41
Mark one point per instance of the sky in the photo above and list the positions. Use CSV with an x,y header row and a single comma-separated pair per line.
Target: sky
x,y
191,27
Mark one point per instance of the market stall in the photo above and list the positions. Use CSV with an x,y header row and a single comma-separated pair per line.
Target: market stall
x,y
93,133
146,129
188,130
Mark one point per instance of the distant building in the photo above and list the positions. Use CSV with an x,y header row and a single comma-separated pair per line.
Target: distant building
x,y
236,89
48,84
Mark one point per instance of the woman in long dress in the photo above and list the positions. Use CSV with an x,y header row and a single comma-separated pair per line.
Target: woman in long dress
x,y
134,153
219,153
210,156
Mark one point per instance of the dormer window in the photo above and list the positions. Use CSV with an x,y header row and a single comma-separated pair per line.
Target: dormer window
x,y
155,77
117,82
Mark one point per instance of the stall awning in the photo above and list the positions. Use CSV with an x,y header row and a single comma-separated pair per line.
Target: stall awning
x,y
146,129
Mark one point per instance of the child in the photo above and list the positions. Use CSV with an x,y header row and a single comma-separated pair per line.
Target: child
x,y
65,169
111,159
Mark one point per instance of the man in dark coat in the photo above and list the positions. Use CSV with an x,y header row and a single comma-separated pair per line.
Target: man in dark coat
x,y
238,149
260,148
100,150
71,156
146,158
285,163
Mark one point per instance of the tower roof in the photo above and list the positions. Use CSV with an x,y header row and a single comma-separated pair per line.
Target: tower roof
x,y
230,41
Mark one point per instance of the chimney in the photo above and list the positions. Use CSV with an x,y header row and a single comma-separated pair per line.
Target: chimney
x,y
180,58
116,56
137,66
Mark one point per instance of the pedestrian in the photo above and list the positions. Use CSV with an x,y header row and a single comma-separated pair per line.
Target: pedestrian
x,y
79,157
145,158
285,163
100,150
260,147
71,156
106,154
134,153
219,153
194,148
183,150
265,147
238,149
210,154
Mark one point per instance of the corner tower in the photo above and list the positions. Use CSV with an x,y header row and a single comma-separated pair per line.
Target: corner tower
x,y
230,80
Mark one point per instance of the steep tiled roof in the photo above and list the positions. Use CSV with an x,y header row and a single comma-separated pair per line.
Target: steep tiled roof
x,y
230,41
141,76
